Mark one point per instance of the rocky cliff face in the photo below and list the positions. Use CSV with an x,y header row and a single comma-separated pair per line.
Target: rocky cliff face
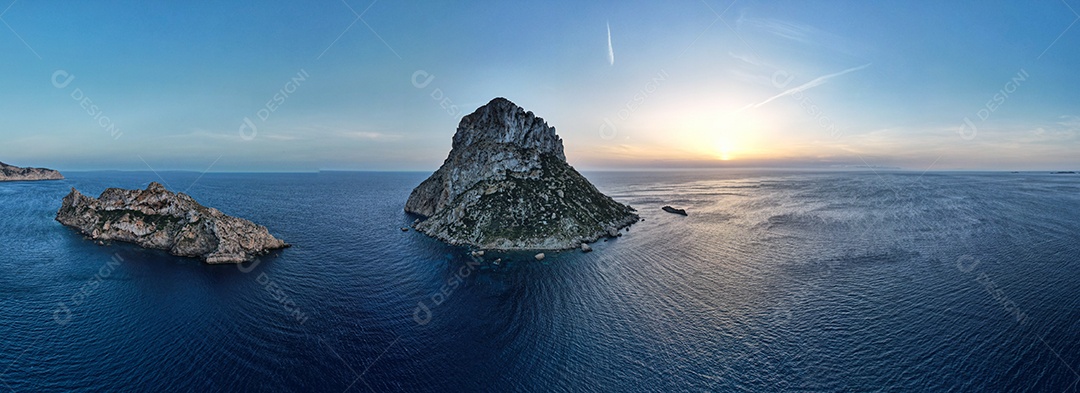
x,y
506,185
14,173
159,219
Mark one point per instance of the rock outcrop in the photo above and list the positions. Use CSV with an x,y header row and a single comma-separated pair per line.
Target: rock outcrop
x,y
14,173
506,186
673,210
159,219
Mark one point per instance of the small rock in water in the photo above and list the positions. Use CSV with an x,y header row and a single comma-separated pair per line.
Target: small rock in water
x,y
404,229
478,253
670,209
585,247
540,256
498,261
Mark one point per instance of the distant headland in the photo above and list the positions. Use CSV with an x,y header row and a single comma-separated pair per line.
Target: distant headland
x,y
14,173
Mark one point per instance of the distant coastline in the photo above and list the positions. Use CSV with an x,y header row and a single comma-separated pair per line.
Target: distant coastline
x,y
14,173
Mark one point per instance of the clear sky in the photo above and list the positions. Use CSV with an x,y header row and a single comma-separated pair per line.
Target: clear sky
x,y
168,84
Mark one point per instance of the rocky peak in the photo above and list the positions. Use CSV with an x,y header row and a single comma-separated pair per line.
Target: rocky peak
x,y
496,141
506,185
503,122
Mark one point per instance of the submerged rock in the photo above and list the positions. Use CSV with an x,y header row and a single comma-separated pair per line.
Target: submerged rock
x,y
670,209
159,219
506,186
14,173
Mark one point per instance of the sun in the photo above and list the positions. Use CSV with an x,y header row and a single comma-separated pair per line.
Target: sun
x,y
724,149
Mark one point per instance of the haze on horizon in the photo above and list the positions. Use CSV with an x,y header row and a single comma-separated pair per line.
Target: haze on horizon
x,y
360,85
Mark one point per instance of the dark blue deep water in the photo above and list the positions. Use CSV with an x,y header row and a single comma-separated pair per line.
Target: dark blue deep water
x,y
776,281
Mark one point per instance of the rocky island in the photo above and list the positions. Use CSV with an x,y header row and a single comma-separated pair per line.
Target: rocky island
x,y
14,173
159,219
506,186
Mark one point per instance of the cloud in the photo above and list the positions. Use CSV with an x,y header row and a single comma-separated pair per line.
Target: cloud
x,y
782,29
806,86
801,35
204,134
1070,122
371,136
610,50
745,59
282,137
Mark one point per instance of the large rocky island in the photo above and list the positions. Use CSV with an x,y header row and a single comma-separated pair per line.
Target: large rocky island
x,y
14,173
159,219
506,186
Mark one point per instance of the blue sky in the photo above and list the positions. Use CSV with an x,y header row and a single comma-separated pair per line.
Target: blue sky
x,y
168,85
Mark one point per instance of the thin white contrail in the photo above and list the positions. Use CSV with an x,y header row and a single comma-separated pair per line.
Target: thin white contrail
x,y
610,50
806,86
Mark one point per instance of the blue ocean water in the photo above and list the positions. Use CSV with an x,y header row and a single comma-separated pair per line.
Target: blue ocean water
x,y
776,281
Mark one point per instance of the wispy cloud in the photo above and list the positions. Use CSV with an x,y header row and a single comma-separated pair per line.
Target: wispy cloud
x,y
806,86
801,34
1070,122
779,28
745,59
203,134
372,136
610,50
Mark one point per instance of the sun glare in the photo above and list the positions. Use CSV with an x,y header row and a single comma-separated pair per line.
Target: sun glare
x,y
724,149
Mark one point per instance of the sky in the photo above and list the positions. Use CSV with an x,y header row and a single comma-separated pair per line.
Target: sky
x,y
360,85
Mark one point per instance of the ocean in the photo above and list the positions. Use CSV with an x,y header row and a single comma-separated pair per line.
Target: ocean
x,y
776,281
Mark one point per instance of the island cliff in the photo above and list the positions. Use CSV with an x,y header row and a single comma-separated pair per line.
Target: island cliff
x,y
159,219
14,173
506,186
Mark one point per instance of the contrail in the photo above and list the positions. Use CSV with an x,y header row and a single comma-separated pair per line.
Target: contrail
x,y
806,86
610,50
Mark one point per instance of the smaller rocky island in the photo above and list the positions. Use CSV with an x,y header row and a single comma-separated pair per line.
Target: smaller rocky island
x,y
159,219
14,173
